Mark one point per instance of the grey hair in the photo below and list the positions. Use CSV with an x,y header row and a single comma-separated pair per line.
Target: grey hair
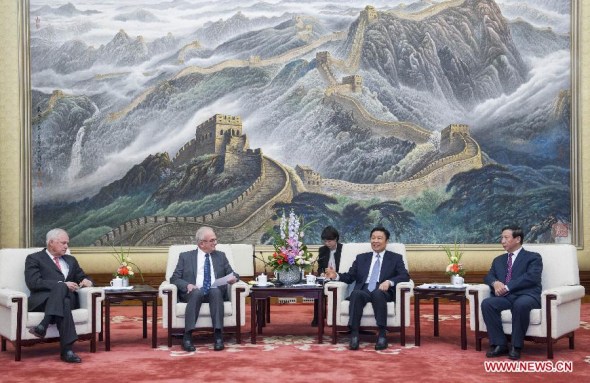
x,y
53,234
200,234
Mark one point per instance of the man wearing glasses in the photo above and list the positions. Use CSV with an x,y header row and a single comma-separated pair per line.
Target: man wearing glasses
x,y
194,276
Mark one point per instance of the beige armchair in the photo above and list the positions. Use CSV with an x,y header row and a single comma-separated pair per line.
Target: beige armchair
x,y
559,315
241,259
16,320
398,312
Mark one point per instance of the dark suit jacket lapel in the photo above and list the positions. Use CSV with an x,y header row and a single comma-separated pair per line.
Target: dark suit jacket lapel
x,y
518,263
386,264
69,260
193,259
217,265
366,266
337,255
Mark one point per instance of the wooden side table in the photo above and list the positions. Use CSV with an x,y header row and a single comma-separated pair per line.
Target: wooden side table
x,y
143,293
435,292
258,302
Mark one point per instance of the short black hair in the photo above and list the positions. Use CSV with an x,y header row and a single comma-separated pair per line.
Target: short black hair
x,y
382,229
516,232
330,233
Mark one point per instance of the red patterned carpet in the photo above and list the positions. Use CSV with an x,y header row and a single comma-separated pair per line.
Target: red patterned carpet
x,y
288,352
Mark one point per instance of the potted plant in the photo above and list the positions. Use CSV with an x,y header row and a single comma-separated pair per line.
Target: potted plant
x,y
126,266
455,268
291,255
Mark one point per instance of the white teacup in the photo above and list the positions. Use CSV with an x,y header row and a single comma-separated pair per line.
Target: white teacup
x,y
262,280
457,280
310,279
117,282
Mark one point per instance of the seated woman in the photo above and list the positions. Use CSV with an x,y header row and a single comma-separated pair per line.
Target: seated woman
x,y
329,257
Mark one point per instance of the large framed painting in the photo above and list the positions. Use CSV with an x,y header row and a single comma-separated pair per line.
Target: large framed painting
x,y
440,120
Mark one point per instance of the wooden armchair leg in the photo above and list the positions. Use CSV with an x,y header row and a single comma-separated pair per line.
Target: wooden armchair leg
x,y
239,292
403,336
550,349
17,348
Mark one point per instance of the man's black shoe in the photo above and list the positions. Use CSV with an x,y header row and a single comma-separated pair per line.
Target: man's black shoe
x,y
187,345
218,346
354,342
70,357
495,351
39,331
514,353
381,343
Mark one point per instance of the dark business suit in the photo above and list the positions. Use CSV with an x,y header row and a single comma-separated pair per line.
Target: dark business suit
x,y
186,273
392,269
324,257
50,294
524,295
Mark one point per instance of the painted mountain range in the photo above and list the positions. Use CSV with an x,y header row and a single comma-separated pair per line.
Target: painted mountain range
x,y
436,119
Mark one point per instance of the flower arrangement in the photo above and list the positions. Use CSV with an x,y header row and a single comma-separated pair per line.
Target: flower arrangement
x,y
126,265
454,255
288,244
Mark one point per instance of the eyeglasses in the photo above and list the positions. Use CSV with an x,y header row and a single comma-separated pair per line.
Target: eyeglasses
x,y
213,240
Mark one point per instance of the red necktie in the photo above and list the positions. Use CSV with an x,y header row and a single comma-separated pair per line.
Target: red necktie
x,y
509,272
56,260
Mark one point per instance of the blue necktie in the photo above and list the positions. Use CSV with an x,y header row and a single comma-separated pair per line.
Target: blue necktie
x,y
207,278
374,278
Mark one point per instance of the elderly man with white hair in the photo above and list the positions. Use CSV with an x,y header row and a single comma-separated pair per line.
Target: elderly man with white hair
x,y
54,277
194,276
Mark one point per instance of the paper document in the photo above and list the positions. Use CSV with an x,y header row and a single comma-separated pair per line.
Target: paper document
x,y
224,280
441,286
118,288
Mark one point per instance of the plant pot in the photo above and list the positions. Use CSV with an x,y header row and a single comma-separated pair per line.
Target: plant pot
x,y
289,276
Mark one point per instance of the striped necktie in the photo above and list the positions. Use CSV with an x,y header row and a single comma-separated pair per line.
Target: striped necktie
x,y
509,272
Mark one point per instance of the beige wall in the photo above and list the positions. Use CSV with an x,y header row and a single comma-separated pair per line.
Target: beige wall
x,y
12,191
10,130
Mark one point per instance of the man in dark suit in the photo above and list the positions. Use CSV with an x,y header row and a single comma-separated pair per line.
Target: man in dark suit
x,y
328,256
53,277
375,275
515,283
194,276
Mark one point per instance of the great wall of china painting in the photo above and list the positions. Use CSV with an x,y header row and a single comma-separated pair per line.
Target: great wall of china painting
x,y
441,120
